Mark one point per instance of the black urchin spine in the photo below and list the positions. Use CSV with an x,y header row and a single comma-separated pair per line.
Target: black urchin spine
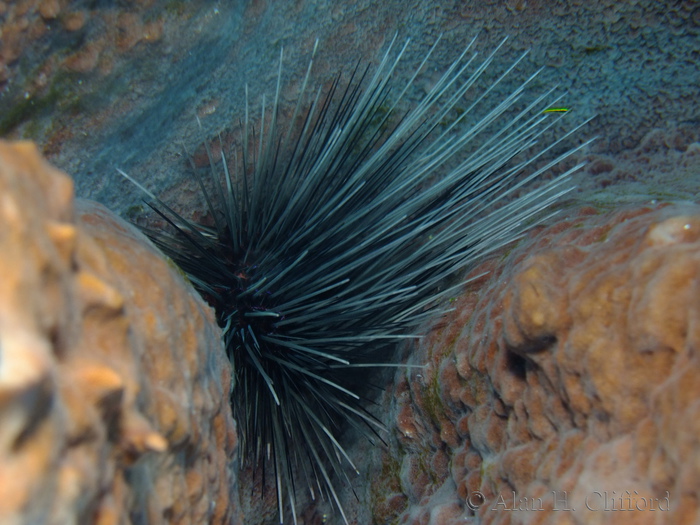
x,y
332,240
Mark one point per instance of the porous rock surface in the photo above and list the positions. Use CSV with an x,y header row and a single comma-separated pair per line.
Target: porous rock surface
x,y
564,388
113,383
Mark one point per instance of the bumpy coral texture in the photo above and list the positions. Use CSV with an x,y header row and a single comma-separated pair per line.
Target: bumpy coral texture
x,y
566,381
113,382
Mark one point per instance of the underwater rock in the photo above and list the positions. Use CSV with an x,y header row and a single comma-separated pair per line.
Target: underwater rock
x,y
564,387
113,380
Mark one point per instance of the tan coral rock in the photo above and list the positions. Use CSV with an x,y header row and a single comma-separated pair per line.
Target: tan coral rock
x,y
572,381
113,381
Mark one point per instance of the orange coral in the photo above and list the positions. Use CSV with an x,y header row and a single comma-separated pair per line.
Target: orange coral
x,y
577,377
113,381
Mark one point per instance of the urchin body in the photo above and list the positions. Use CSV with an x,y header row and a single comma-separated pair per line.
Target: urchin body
x,y
332,238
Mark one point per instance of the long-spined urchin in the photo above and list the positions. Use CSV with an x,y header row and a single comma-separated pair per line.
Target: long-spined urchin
x,y
331,238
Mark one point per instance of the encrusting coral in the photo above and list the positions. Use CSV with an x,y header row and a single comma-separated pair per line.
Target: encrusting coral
x,y
113,382
566,379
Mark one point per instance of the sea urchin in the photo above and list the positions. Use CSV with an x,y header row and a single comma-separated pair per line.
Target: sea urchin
x,y
332,237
